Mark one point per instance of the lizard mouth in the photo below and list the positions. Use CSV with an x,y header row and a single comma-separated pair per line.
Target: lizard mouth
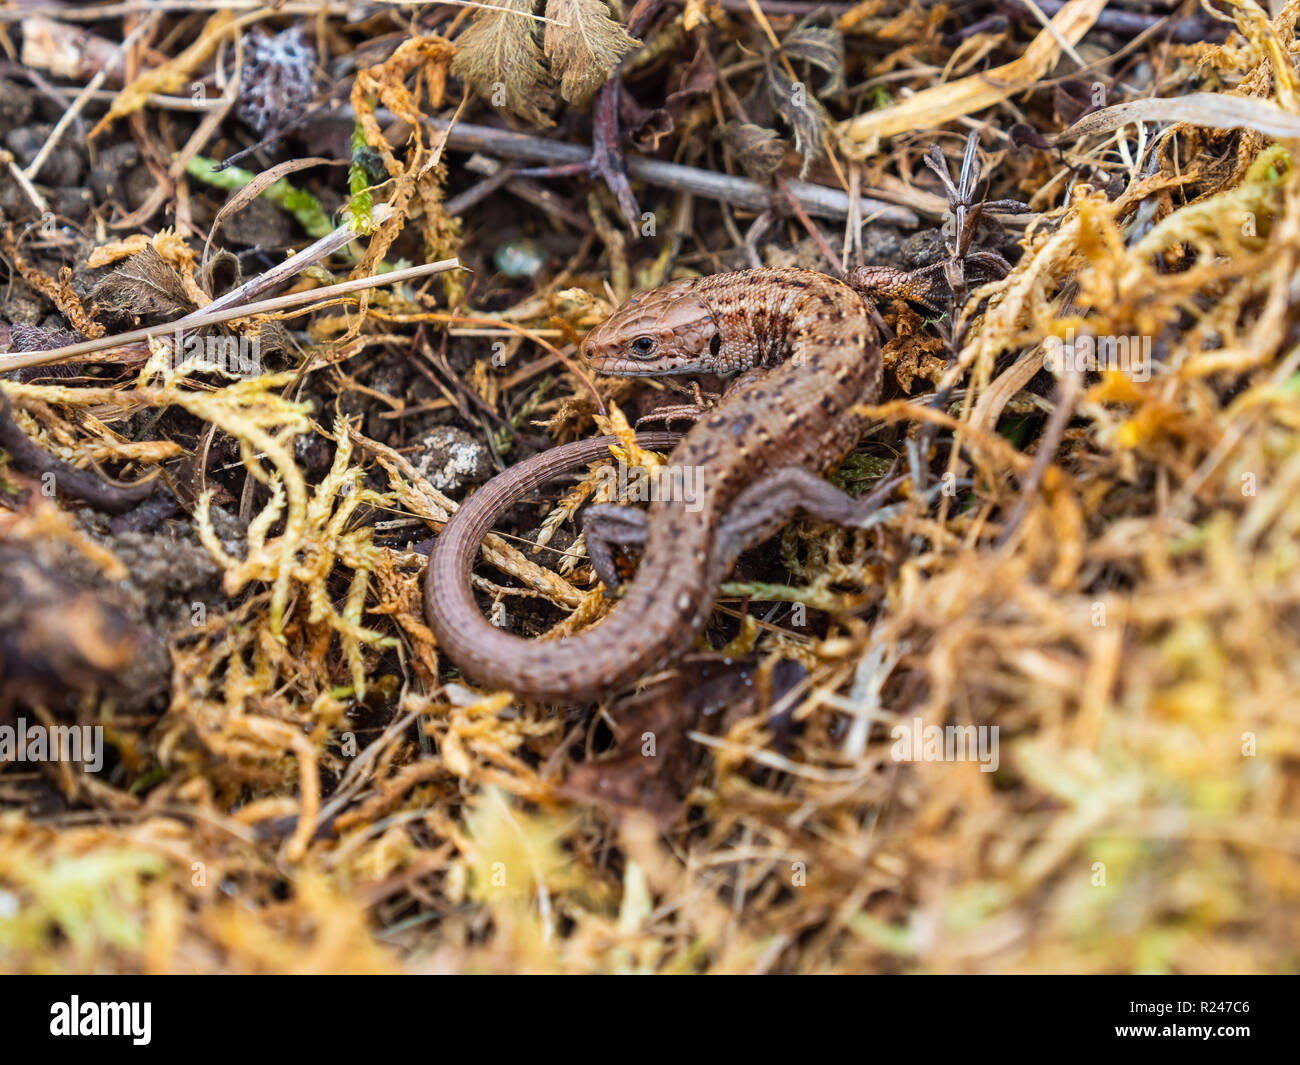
x,y
626,367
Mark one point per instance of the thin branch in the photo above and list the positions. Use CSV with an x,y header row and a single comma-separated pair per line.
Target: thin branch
x,y
818,201
69,116
235,304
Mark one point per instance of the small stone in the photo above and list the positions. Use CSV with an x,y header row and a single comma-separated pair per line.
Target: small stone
x,y
108,174
73,203
260,224
64,167
16,105
519,258
449,458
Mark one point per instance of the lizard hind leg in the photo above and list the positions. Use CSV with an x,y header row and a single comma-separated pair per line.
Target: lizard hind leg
x,y
762,508
607,526
765,506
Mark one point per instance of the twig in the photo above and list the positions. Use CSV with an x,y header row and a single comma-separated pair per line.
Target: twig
x,y
291,267
819,201
458,205
235,304
1128,23
818,237
516,184
207,316
24,183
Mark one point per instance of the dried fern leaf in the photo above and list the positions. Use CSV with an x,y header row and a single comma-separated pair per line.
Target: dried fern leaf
x,y
800,109
584,46
499,59
145,284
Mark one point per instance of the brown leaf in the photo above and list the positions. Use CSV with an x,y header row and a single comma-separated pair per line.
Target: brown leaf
x,y
499,59
220,273
584,46
694,82
822,46
795,103
759,151
1074,99
145,285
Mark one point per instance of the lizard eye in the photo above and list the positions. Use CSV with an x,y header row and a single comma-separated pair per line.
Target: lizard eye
x,y
643,345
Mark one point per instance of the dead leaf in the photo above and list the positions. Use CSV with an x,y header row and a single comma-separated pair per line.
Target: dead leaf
x,y
759,151
584,46
145,285
499,59
800,109
822,46
694,83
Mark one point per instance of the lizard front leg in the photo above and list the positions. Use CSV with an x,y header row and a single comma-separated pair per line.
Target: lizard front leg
x,y
693,412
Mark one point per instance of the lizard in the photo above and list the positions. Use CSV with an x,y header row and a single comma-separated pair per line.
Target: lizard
x,y
807,357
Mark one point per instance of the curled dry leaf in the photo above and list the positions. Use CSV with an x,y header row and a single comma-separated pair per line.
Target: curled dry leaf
x,y
795,100
1207,109
759,151
800,109
696,80
822,46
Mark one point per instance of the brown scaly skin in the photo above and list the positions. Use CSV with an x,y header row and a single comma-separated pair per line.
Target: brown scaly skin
x,y
813,337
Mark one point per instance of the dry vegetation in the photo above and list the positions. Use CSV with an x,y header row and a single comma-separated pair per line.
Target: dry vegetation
x,y
295,781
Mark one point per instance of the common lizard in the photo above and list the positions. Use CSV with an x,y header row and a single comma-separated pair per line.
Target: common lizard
x,y
807,356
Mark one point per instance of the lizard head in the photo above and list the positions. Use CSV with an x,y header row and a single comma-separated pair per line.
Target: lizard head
x,y
668,331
